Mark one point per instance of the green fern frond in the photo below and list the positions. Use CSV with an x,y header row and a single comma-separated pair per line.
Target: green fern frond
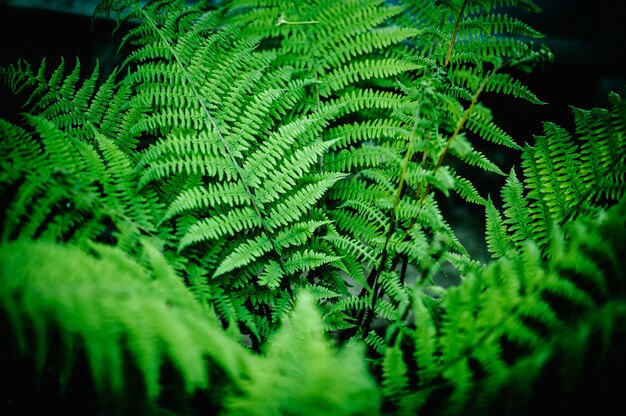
x,y
360,99
306,260
296,204
504,83
564,174
57,184
516,209
120,184
354,72
283,180
49,287
462,149
299,367
61,152
279,155
395,379
499,24
602,151
353,246
426,341
76,109
394,287
19,151
467,191
498,242
220,225
212,195
487,130
271,275
370,130
523,304
361,218
348,160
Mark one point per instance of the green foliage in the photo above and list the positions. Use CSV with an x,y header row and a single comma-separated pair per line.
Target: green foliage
x,y
122,313
301,373
523,320
259,181
566,175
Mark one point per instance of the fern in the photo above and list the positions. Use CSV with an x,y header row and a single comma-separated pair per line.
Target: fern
x,y
146,317
567,176
83,180
298,368
232,140
259,173
512,322
513,317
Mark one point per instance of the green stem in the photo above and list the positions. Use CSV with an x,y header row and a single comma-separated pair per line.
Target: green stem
x,y
454,34
459,126
373,279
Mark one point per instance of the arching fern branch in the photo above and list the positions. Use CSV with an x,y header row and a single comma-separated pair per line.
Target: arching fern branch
x,y
113,310
516,315
434,153
221,126
524,317
81,157
564,176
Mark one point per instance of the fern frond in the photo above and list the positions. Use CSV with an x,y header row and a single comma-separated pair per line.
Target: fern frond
x,y
306,260
395,379
463,149
354,72
274,387
499,24
221,225
505,84
19,151
301,201
348,160
523,304
60,288
370,130
120,184
516,210
283,179
57,192
564,174
360,99
498,242
467,191
204,197
426,341
486,129
76,109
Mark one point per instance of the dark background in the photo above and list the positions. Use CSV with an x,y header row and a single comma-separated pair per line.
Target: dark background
x,y
586,38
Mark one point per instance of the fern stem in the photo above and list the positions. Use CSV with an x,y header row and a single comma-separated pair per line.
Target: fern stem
x,y
454,34
318,102
418,191
282,21
459,126
405,263
373,278
461,123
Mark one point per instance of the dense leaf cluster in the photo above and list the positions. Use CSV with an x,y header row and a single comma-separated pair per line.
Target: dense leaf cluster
x,y
243,217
